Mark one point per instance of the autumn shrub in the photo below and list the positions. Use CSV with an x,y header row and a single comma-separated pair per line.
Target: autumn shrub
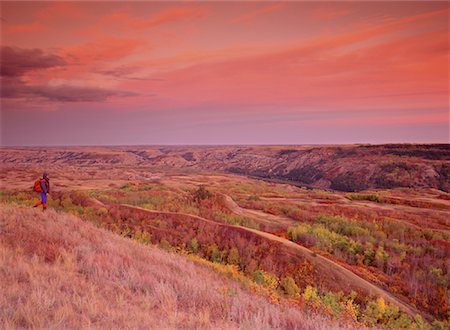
x,y
318,235
165,245
142,237
347,227
374,312
268,280
254,198
333,302
369,197
201,194
311,296
369,257
289,287
193,246
234,219
233,257
214,254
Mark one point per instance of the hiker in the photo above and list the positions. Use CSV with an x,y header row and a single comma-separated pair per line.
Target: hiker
x,y
42,186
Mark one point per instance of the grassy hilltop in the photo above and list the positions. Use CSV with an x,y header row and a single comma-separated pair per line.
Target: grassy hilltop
x,y
60,272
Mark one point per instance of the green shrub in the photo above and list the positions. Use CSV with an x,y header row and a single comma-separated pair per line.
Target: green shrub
x,y
381,257
214,253
374,312
295,233
369,257
193,246
331,300
367,197
266,279
325,239
290,288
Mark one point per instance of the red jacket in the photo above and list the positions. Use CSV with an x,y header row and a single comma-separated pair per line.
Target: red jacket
x,y
45,185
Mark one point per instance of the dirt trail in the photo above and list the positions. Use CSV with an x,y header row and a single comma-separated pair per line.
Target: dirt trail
x,y
286,199
402,208
283,220
341,274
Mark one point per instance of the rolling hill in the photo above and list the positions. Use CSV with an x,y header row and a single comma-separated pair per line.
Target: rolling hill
x,y
60,272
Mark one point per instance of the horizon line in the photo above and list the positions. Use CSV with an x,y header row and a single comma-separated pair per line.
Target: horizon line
x,y
227,145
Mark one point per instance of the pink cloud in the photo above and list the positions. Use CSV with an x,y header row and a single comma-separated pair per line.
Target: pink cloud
x,y
259,12
103,49
168,15
27,28
61,9
331,13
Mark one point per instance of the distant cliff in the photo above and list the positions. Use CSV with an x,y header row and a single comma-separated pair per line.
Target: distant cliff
x,y
341,167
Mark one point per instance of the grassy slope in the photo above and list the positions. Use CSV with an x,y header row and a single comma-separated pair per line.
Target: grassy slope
x,y
58,271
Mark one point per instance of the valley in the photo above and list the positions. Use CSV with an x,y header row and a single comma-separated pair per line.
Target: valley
x,y
373,257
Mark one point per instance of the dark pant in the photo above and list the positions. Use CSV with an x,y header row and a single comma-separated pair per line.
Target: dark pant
x,y
43,201
43,198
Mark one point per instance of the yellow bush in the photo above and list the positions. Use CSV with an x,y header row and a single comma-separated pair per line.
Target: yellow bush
x,y
233,257
290,288
267,280
310,295
352,309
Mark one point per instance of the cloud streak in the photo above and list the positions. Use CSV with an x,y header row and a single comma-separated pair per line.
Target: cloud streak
x,y
67,93
15,89
122,20
127,73
257,13
15,62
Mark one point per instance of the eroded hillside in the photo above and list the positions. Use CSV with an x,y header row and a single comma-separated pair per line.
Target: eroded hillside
x,y
342,168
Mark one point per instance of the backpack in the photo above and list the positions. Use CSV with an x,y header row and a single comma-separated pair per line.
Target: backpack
x,y
37,186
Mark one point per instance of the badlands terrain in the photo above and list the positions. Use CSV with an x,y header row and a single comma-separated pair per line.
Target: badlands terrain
x,y
283,236
341,167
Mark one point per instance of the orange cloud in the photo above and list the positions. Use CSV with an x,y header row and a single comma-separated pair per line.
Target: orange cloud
x,y
168,15
27,28
259,12
104,49
60,10
327,14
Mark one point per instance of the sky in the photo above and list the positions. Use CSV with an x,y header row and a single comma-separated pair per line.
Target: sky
x,y
123,73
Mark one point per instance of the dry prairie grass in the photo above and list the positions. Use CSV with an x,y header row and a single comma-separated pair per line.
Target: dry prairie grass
x,y
57,271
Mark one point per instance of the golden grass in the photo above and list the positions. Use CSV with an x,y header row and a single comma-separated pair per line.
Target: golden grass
x,y
57,271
